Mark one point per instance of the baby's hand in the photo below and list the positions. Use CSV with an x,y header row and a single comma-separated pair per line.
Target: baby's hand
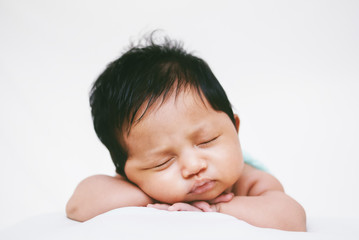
x,y
198,206
224,197
160,206
211,206
180,206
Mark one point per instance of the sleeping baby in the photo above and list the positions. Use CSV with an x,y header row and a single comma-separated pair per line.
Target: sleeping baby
x,y
173,138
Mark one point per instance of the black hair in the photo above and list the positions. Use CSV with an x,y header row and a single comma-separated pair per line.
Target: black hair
x,y
141,75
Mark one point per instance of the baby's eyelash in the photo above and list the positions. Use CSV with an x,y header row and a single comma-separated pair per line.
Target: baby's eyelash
x,y
211,140
162,164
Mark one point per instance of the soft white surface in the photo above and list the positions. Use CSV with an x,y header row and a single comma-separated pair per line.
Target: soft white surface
x,y
147,223
290,69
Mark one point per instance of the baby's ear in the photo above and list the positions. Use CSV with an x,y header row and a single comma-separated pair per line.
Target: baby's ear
x,y
237,121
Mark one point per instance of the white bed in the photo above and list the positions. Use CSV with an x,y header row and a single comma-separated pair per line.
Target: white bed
x,y
148,223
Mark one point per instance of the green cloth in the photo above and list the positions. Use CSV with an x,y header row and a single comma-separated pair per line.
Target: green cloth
x,y
254,163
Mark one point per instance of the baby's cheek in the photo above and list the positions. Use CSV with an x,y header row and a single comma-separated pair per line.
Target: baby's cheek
x,y
167,196
164,189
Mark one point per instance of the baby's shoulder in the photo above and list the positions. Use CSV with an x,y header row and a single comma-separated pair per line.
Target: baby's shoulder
x,y
254,182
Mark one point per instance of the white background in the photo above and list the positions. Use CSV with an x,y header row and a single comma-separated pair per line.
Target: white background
x,y
290,68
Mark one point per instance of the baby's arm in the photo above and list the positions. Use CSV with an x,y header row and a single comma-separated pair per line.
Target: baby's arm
x,y
261,201
98,194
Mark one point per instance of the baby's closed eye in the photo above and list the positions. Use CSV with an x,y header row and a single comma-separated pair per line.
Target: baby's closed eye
x,y
206,143
164,163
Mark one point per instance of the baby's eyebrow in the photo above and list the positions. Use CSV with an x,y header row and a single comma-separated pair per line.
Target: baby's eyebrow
x,y
199,130
159,151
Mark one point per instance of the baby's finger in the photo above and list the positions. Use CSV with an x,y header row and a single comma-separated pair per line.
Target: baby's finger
x,y
204,206
183,207
225,197
160,206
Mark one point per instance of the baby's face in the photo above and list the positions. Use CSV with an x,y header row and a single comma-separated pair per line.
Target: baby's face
x,y
183,150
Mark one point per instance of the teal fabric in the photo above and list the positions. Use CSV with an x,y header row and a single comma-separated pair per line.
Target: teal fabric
x,y
254,163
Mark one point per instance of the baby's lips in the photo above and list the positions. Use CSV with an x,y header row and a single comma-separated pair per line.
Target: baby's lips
x,y
202,186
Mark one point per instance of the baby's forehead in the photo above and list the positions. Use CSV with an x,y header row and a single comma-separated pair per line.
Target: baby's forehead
x,y
189,97
178,101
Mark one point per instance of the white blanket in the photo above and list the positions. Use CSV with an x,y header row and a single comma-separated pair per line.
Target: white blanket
x,y
148,223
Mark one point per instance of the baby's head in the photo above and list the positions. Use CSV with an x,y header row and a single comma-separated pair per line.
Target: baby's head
x,y
158,110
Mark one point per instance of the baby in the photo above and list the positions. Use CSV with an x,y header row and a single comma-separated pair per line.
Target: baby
x,y
173,138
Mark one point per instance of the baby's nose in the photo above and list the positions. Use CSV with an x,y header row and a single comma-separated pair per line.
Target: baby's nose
x,y
192,165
